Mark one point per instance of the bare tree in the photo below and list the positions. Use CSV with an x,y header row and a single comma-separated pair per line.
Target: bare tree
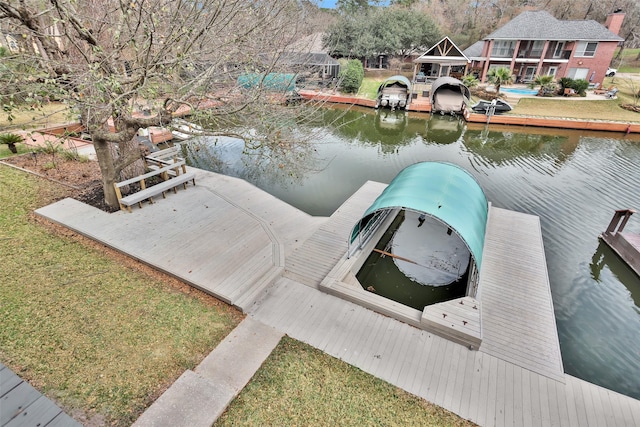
x,y
108,58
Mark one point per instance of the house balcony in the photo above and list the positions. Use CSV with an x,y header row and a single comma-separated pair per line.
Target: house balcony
x,y
563,57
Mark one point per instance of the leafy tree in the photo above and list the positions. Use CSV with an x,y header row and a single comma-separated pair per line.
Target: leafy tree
x,y
351,76
107,59
392,31
351,37
401,31
499,76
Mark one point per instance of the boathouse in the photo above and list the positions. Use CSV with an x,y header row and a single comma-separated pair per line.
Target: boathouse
x,y
449,196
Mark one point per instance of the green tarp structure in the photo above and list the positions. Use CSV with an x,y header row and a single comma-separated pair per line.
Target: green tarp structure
x,y
441,190
277,82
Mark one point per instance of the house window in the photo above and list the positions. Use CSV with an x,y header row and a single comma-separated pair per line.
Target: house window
x,y
503,48
536,49
578,73
586,49
557,53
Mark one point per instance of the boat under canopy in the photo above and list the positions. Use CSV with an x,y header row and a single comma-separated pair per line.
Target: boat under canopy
x,y
441,191
394,92
449,95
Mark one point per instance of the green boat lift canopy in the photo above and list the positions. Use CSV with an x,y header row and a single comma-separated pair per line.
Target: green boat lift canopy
x,y
441,190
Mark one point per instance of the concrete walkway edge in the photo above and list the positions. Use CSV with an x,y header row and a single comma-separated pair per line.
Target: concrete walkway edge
x,y
199,397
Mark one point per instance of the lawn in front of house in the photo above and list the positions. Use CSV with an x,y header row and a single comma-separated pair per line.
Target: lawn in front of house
x,y
43,116
558,107
300,385
96,331
578,108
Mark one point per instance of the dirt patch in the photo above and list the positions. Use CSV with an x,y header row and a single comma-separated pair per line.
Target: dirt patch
x,y
83,178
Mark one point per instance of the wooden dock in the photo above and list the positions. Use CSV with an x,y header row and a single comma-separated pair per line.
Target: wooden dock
x,y
516,378
626,245
23,405
246,247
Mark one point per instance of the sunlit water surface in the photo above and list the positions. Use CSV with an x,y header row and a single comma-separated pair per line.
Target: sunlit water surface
x,y
572,180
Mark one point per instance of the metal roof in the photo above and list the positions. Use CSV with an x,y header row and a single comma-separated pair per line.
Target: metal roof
x,y
443,191
540,25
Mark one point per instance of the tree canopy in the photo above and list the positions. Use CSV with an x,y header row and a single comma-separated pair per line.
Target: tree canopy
x,y
108,59
393,31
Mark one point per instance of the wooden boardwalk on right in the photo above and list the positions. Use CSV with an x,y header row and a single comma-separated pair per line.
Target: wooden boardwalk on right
x,y
518,321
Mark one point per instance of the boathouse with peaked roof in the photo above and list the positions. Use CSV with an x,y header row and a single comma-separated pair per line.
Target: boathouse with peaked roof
x,y
443,59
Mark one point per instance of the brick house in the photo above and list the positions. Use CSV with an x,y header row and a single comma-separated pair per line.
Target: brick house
x,y
535,43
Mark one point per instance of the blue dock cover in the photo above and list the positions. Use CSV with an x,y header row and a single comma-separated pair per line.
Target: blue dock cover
x,y
443,191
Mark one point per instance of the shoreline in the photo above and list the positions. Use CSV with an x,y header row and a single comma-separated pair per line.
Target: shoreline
x,y
516,120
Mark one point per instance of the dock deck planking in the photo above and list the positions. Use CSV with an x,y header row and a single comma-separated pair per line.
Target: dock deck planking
x,y
462,403
22,405
410,368
415,360
509,324
452,388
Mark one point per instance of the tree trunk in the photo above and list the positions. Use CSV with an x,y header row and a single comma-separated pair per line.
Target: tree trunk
x,y
13,148
107,168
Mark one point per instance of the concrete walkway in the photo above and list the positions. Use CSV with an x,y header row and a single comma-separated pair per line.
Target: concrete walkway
x,y
199,397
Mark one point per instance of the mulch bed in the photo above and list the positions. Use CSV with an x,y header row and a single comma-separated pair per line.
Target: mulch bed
x,y
631,107
83,178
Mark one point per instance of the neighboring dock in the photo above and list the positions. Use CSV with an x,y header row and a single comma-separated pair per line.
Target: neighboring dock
x,y
421,103
626,245
252,250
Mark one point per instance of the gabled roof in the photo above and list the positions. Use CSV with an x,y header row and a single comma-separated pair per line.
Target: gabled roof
x,y
444,50
540,25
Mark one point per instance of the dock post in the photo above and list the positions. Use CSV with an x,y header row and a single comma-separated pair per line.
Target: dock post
x,y
623,214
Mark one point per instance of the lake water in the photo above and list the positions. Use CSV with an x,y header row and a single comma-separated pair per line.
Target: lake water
x,y
572,180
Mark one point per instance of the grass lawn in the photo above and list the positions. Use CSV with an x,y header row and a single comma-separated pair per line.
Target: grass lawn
x,y
369,87
604,109
299,385
22,149
48,114
594,110
99,333
628,63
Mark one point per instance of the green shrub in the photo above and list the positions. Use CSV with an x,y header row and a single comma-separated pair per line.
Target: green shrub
x,y
579,85
351,76
470,81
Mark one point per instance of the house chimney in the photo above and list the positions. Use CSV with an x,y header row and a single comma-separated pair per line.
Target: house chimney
x,y
614,21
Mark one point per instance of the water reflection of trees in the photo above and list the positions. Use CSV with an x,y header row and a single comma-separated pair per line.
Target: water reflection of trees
x,y
500,145
391,129
274,148
284,163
